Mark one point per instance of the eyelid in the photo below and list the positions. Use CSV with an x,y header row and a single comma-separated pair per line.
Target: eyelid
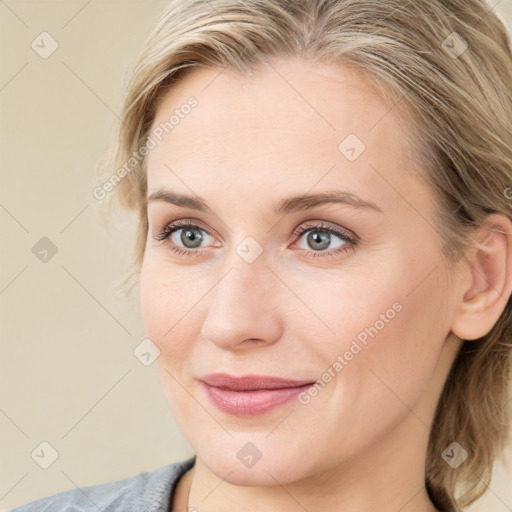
x,y
298,231
183,223
321,225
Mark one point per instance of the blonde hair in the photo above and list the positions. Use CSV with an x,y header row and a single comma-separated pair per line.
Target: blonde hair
x,y
461,98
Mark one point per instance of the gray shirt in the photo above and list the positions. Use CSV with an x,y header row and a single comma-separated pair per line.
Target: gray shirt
x,y
151,491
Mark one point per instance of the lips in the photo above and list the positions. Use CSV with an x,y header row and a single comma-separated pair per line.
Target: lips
x,y
251,382
251,395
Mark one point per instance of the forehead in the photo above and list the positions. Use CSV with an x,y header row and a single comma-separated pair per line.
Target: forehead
x,y
288,125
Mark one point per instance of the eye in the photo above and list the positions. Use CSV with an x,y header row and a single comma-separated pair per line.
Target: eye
x,y
320,238
183,233
185,238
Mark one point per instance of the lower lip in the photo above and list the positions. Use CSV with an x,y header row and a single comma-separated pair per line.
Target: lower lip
x,y
252,403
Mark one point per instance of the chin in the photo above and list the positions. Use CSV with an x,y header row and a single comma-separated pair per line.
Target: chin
x,y
239,469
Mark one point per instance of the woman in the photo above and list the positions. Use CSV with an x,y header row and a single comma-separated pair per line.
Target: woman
x,y
324,252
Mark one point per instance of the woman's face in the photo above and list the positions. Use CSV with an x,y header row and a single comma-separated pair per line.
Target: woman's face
x,y
350,293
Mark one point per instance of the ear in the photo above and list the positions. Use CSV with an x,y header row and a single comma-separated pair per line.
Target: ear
x,y
488,286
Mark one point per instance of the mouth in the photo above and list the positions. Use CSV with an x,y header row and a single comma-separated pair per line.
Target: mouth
x,y
251,395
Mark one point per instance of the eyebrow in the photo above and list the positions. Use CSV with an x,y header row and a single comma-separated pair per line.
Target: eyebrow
x,y
288,205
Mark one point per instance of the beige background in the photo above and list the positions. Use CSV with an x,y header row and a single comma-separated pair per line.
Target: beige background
x,y
67,369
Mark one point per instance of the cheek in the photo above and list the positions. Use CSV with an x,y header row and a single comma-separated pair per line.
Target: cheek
x,y
343,306
402,340
382,322
169,306
390,341
169,298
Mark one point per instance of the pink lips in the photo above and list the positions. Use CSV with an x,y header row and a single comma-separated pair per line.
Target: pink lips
x,y
251,395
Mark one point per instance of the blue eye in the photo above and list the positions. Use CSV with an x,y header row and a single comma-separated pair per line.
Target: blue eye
x,y
191,236
320,238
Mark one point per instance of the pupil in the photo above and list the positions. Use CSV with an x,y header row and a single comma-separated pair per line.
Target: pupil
x,y
191,235
319,238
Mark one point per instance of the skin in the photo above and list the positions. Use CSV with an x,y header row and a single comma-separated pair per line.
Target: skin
x,y
360,444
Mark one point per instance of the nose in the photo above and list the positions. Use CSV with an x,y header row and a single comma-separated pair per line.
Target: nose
x,y
244,308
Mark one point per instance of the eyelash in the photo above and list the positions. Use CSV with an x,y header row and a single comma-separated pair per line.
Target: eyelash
x,y
350,240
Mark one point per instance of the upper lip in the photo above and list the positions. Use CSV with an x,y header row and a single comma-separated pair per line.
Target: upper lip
x,y
251,382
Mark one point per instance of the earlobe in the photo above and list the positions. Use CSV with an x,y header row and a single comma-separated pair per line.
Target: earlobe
x,y
490,286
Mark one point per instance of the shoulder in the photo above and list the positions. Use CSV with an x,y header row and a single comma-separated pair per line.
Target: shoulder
x,y
148,491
